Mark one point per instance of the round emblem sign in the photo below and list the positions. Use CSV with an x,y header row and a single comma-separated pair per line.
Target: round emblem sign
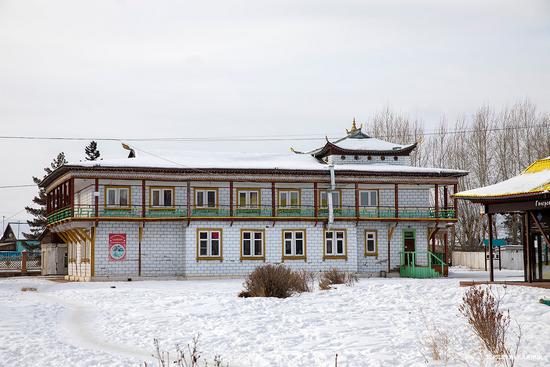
x,y
117,252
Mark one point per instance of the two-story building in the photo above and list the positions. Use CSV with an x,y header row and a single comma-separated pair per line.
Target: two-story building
x,y
355,204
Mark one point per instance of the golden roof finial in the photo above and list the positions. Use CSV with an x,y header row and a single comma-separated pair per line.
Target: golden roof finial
x,y
353,127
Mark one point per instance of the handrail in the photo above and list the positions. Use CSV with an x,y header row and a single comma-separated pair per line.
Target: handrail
x,y
302,211
438,261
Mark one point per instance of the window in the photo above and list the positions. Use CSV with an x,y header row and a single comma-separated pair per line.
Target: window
x,y
248,198
117,196
368,198
294,244
335,244
206,198
252,244
209,244
371,243
289,199
323,199
162,197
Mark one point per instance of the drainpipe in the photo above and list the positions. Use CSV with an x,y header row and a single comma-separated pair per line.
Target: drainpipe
x,y
329,195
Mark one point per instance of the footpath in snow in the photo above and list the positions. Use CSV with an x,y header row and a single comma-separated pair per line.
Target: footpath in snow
x,y
378,322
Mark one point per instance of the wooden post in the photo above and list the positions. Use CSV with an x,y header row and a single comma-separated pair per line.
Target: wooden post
x,y
273,198
24,262
188,193
499,259
396,200
528,252
485,253
491,270
357,200
539,255
92,252
446,245
436,193
96,197
231,199
143,198
455,200
140,237
315,200
71,195
525,242
446,201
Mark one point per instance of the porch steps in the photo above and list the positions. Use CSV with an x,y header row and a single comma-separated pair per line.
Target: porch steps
x,y
418,272
409,268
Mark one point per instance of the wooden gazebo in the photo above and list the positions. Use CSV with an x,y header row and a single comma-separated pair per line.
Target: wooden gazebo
x,y
527,194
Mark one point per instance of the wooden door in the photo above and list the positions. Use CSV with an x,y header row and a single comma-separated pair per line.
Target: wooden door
x,y
409,246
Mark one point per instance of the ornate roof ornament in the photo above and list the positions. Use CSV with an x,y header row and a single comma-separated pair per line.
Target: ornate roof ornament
x,y
354,128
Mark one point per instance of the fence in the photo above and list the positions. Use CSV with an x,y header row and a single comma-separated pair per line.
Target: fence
x,y
14,263
511,259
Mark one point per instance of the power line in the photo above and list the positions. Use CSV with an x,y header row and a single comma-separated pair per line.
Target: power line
x,y
15,186
252,138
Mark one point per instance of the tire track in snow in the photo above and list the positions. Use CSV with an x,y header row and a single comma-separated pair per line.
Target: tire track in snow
x,y
75,327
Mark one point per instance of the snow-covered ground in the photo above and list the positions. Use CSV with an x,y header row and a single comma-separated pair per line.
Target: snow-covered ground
x,y
378,322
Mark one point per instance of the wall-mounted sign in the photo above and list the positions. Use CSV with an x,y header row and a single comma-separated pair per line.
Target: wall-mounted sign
x,y
117,247
542,203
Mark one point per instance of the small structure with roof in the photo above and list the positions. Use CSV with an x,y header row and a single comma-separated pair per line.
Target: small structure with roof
x,y
529,195
13,239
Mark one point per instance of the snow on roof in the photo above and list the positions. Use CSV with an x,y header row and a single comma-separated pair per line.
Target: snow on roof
x,y
202,161
368,144
357,140
19,229
525,183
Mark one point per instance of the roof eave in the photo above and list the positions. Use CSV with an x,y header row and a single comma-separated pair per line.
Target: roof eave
x,y
331,148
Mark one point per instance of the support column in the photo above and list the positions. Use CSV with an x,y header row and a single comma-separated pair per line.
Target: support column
x,y
140,237
357,201
491,270
524,242
143,199
92,251
499,259
231,199
396,200
188,193
315,201
539,256
96,198
273,193
455,200
71,195
436,193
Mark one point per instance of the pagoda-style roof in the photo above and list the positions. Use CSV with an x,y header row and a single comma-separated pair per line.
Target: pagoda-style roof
x,y
533,181
358,143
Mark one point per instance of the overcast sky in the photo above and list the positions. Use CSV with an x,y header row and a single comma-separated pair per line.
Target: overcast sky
x,y
243,68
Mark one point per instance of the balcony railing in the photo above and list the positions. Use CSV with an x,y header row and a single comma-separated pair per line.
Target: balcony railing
x,y
309,212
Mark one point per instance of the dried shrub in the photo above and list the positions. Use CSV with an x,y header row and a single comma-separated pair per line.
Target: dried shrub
x,y
188,356
438,344
491,324
28,289
335,276
276,281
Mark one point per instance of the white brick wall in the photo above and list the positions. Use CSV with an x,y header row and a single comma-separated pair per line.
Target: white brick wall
x,y
363,159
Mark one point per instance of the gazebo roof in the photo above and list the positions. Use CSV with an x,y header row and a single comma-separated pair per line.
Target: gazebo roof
x,y
357,142
534,180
